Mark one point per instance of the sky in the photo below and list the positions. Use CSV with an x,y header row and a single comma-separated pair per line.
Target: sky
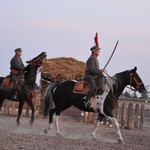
x,y
66,28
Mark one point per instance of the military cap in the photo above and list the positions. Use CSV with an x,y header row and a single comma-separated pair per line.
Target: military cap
x,y
94,48
18,50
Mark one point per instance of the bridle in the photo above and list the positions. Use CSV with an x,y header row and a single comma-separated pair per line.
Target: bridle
x,y
37,62
132,78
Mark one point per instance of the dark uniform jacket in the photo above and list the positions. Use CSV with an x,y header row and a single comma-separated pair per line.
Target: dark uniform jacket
x,y
92,68
16,64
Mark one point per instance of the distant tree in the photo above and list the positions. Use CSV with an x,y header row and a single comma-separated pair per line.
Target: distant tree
x,y
134,95
127,94
145,95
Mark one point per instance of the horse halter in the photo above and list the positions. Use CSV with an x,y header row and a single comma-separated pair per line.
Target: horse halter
x,y
132,78
37,62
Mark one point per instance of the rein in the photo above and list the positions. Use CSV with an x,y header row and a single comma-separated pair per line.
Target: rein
x,y
31,92
135,80
34,62
131,77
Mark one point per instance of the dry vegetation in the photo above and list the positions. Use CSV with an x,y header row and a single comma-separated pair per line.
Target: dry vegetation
x,y
65,68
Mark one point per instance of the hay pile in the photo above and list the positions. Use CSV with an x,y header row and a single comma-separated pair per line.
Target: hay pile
x,y
64,68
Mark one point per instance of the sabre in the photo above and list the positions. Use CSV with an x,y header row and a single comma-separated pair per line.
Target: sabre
x,y
111,54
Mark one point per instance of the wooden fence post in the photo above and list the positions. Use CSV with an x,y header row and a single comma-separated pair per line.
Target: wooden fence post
x,y
36,101
13,108
27,109
104,121
89,117
129,120
6,108
136,121
123,115
142,116
85,117
117,110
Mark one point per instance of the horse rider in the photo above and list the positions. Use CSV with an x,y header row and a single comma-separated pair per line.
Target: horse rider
x,y
93,75
17,68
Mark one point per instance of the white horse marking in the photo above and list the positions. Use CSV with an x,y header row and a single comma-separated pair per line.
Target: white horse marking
x,y
100,99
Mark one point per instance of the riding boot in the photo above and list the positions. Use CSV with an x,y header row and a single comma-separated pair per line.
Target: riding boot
x,y
91,83
14,97
87,104
101,85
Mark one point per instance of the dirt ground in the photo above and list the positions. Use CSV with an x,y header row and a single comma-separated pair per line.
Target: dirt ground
x,y
76,136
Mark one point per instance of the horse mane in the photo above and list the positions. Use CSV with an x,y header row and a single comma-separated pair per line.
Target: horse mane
x,y
116,80
121,75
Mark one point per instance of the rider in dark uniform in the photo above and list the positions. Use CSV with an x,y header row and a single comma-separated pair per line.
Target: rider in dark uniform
x,y
17,68
93,75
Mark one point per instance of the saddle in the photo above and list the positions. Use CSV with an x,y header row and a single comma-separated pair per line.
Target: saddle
x,y
82,87
7,82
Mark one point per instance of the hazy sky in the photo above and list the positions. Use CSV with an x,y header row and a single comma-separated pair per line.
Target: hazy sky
x,y
67,28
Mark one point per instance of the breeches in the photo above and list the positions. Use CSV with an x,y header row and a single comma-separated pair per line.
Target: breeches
x,y
100,82
14,77
92,84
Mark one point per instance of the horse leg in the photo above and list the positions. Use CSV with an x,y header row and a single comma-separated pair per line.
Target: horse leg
x,y
56,118
19,112
115,122
99,119
30,103
1,103
51,113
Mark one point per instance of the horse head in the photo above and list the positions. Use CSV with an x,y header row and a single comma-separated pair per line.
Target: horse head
x,y
34,64
37,61
135,81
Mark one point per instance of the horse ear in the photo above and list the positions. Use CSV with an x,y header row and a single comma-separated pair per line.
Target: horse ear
x,y
134,70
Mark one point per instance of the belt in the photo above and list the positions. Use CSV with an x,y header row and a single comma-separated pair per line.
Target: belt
x,y
15,71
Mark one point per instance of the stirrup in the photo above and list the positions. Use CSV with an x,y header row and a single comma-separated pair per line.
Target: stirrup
x,y
87,104
14,98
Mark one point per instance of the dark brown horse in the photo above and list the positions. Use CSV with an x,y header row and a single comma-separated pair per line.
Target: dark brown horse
x,y
26,91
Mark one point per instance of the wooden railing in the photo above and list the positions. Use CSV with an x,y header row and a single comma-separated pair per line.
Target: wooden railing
x,y
129,112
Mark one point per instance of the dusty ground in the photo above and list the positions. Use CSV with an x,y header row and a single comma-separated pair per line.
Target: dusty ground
x,y
76,136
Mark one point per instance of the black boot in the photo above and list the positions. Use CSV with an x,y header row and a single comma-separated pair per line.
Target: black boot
x,y
14,97
87,104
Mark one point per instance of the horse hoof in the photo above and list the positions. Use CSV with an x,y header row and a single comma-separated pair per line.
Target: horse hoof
x,y
45,131
31,122
120,141
94,136
18,123
59,134
94,139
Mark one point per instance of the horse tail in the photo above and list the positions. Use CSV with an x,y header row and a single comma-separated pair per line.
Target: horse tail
x,y
48,98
